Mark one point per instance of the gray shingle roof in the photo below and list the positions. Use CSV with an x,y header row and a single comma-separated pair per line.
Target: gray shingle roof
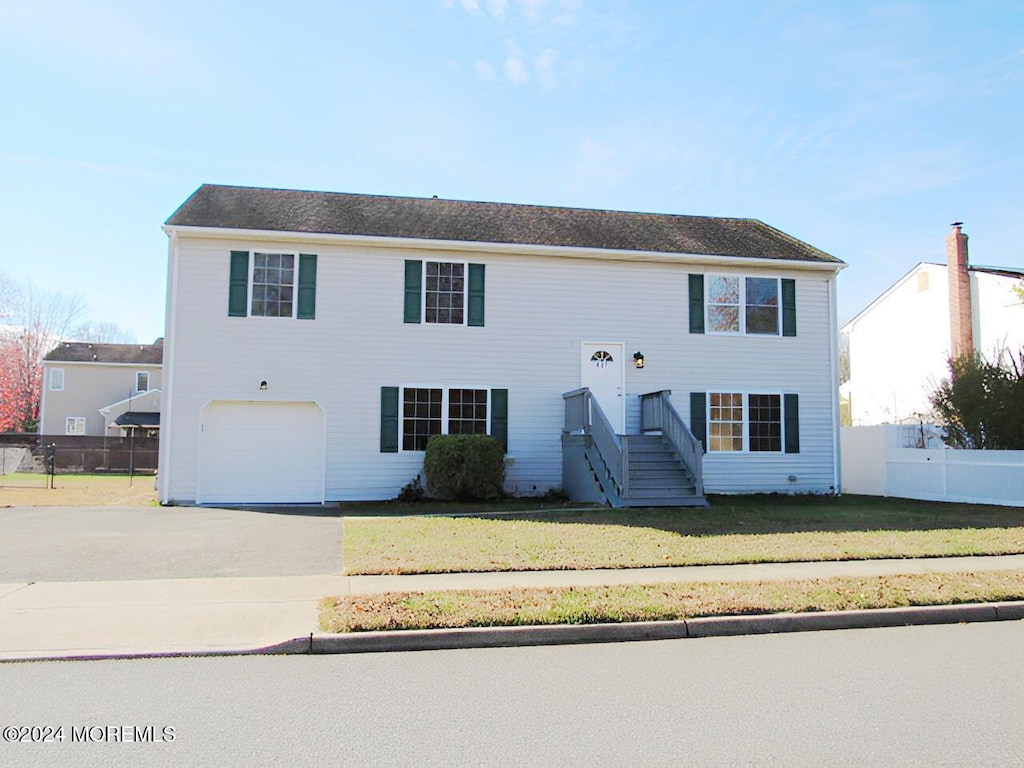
x,y
285,210
83,352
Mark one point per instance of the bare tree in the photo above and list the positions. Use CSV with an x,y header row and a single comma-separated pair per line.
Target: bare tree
x,y
103,333
36,320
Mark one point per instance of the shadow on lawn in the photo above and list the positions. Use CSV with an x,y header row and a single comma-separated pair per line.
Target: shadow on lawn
x,y
765,513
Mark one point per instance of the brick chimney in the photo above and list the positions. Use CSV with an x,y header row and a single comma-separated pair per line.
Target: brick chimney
x,y
961,323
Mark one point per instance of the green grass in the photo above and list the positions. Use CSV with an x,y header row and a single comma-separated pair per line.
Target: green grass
x,y
658,602
749,529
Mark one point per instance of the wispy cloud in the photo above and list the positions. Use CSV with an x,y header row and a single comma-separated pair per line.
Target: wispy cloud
x,y
544,65
515,69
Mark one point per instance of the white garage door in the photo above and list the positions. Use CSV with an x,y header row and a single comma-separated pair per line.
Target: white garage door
x,y
261,453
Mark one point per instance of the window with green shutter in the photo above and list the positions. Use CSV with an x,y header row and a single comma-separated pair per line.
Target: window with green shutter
x,y
238,291
444,293
696,303
792,417
699,417
410,416
389,419
749,306
499,416
789,307
307,287
272,285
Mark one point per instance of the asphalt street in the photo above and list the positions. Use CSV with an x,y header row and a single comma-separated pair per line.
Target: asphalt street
x,y
127,543
911,696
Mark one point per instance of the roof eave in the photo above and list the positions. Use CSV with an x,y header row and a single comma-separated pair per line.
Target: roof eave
x,y
225,233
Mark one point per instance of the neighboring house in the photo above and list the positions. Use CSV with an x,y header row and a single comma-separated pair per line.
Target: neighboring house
x,y
101,389
901,342
315,341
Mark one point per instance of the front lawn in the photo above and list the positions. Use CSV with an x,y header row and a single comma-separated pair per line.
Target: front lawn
x,y
658,602
748,529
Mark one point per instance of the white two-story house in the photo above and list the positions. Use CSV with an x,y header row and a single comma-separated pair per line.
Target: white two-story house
x,y
315,341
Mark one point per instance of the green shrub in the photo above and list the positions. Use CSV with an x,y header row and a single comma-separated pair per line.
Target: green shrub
x,y
412,491
464,467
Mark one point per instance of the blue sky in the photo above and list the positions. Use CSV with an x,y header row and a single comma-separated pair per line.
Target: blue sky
x,y
863,128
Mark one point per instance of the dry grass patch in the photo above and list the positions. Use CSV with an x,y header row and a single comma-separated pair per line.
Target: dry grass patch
x,y
633,539
30,490
658,602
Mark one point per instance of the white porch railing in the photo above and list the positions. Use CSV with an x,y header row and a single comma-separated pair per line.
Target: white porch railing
x,y
658,413
583,414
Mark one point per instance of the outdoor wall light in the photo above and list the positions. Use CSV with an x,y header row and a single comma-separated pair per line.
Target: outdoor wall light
x,y
263,386
638,359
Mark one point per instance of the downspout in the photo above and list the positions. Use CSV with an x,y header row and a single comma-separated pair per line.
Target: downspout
x,y
833,345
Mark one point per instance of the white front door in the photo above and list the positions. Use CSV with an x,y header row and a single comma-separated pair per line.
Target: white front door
x,y
602,370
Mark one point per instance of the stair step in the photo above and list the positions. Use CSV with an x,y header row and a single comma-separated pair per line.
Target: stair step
x,y
661,490
669,501
657,472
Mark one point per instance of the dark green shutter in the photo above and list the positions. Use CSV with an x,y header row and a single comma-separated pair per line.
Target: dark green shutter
x,y
789,307
699,418
499,416
792,417
389,419
696,303
307,286
413,290
476,294
238,291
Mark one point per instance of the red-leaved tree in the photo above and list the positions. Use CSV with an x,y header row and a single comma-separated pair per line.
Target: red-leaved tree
x,y
35,321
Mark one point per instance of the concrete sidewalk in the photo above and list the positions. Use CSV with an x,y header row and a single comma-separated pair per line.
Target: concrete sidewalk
x,y
226,615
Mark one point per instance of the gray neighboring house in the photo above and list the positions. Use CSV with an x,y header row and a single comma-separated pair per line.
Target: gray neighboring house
x,y
101,389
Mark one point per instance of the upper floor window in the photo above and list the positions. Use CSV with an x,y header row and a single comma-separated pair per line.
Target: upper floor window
x,y
732,304
272,285
444,292
743,305
56,379
142,381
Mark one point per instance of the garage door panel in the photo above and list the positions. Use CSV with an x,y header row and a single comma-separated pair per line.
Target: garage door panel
x,y
261,453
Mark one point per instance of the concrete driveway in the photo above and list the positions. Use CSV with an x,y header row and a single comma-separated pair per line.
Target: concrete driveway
x,y
128,543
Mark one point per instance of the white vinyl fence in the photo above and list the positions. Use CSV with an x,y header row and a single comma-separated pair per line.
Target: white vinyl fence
x,y
875,464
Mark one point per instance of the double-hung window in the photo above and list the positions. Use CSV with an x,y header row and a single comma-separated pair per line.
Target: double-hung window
x,y
444,293
56,379
410,416
272,284
428,412
746,422
743,305
752,423
142,381
735,304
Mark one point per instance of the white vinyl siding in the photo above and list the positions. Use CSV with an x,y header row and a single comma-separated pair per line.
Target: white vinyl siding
x,y
539,310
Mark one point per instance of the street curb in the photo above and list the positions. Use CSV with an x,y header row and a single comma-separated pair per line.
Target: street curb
x,y
569,634
575,634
